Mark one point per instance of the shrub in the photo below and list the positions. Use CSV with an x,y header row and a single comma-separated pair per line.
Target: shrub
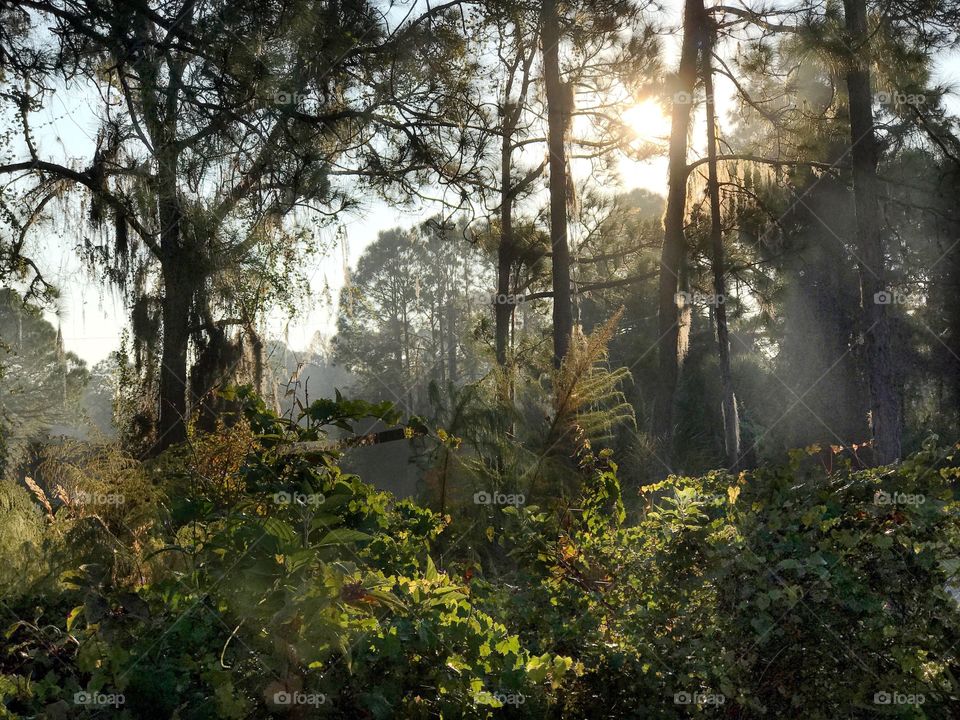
x,y
786,592
269,582
279,579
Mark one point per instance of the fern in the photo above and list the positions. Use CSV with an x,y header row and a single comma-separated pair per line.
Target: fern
x,y
587,405
534,443
587,401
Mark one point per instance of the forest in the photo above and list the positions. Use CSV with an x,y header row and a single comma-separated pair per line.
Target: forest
x,y
479,359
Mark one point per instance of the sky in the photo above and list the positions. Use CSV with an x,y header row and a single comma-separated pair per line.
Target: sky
x,y
92,316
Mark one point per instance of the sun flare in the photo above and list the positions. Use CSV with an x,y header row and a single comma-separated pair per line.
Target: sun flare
x,y
648,122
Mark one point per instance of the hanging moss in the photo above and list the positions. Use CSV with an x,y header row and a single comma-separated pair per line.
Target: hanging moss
x,y
121,244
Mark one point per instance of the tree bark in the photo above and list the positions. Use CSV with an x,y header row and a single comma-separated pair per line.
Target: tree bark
x,y
179,268
731,419
451,339
671,342
439,349
503,311
177,294
178,271
885,400
558,120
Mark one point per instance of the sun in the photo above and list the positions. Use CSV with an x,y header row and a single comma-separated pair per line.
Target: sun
x,y
649,128
648,122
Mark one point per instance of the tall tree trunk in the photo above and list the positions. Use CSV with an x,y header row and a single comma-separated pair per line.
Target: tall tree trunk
x,y
559,101
671,341
179,267
884,398
451,339
950,375
177,294
503,311
256,347
408,364
731,419
178,271
440,337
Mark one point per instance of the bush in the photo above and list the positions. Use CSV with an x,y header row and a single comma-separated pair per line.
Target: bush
x,y
281,585
256,582
787,592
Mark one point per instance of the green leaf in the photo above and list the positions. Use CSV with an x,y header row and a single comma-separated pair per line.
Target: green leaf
x,y
342,536
431,572
325,520
279,529
299,559
72,616
388,599
509,645
538,667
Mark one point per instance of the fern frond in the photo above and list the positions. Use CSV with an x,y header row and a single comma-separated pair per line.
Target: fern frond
x,y
40,495
587,401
